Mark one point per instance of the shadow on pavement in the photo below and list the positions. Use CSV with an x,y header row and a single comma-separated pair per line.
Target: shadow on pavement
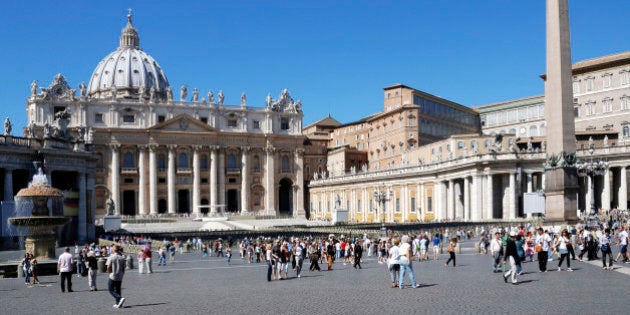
x,y
141,305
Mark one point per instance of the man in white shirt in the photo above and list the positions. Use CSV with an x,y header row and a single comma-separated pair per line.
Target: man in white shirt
x,y
622,238
543,239
64,268
496,250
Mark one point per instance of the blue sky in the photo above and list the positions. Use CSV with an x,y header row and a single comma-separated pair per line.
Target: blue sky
x,y
336,56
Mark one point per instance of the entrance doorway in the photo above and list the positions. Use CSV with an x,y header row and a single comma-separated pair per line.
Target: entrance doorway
x,y
162,206
183,201
129,203
285,197
232,200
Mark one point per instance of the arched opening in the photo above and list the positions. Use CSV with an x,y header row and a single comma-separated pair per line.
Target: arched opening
x,y
162,207
204,206
183,201
232,200
285,197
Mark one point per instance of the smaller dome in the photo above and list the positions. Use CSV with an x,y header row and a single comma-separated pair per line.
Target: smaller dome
x,y
128,71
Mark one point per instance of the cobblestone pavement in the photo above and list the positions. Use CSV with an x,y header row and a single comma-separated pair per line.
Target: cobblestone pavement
x,y
197,285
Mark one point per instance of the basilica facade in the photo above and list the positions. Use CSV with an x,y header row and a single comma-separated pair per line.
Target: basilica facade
x,y
155,154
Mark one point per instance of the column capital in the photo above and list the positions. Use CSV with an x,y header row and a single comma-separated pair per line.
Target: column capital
x,y
142,147
299,151
270,150
114,146
196,147
171,147
153,147
246,149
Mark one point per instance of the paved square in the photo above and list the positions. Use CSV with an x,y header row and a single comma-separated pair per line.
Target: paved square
x,y
201,285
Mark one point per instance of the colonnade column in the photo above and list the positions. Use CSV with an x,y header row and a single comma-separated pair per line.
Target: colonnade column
x,y
8,184
244,180
529,182
623,189
299,178
153,210
115,177
589,193
420,208
405,201
466,215
489,198
221,179
82,215
511,198
142,170
213,180
475,198
270,201
450,200
171,179
196,176
606,191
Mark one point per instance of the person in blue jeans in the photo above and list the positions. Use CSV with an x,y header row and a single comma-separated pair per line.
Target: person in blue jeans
x,y
26,267
405,263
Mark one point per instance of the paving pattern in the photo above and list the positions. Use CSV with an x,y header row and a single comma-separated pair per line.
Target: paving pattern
x,y
208,285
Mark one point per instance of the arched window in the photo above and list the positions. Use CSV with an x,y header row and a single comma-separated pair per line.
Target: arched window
x,y
543,130
161,162
286,166
182,161
533,131
626,131
128,160
231,161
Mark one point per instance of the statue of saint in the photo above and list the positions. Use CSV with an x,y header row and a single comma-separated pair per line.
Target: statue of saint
x,y
269,100
169,94
195,95
211,97
221,97
31,129
114,92
82,89
243,99
183,93
46,130
7,127
34,88
152,94
111,206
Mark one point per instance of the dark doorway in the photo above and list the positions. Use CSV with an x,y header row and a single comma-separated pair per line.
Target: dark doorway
x,y
285,197
129,202
204,206
183,201
162,207
20,180
232,200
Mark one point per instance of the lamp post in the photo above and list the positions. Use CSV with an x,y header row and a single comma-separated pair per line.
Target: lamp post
x,y
383,195
591,169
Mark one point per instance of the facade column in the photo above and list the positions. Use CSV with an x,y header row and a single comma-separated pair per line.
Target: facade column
x,y
606,191
171,179
196,179
8,184
589,193
529,182
142,170
298,209
466,216
213,180
475,198
622,198
489,200
405,205
511,198
221,179
82,233
450,200
115,177
420,208
90,206
270,187
244,180
153,210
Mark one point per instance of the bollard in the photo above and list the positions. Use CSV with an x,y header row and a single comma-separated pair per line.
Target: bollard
x,y
129,264
458,249
20,271
100,264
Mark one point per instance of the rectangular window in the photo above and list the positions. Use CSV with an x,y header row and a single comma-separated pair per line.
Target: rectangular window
x,y
625,102
576,87
607,80
130,119
625,77
98,118
161,118
359,205
589,84
430,204
256,124
231,123
284,124
371,209
412,204
204,120
607,105
397,204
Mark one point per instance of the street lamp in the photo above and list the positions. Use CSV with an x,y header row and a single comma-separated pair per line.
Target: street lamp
x,y
383,195
591,169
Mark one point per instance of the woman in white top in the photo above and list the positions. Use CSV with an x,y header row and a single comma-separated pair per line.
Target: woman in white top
x,y
561,246
393,263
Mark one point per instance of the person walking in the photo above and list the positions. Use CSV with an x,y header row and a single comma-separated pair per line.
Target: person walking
x,y
92,270
147,258
393,262
562,247
622,240
64,267
269,261
496,250
358,253
34,269
543,241
116,269
451,251
405,263
606,241
511,256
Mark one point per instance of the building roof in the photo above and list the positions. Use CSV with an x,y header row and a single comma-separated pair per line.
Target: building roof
x,y
327,121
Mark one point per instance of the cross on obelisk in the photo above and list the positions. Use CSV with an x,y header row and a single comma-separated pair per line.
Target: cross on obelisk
x,y
561,184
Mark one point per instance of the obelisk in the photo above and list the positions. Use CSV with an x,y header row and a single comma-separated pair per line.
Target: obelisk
x,y
561,183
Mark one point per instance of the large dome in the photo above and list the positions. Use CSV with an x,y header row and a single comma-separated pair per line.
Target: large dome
x,y
130,70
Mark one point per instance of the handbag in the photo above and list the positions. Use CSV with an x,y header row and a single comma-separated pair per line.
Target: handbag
x,y
538,248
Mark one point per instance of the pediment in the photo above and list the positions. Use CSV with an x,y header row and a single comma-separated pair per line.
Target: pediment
x,y
183,122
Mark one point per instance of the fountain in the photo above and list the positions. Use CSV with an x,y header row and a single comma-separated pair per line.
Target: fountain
x,y
40,241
